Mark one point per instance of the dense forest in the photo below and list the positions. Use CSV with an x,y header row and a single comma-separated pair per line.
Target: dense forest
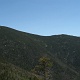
x,y
25,56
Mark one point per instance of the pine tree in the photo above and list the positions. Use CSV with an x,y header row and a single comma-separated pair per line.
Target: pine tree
x,y
44,68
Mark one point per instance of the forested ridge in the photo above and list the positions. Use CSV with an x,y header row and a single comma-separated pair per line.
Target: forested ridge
x,y
20,53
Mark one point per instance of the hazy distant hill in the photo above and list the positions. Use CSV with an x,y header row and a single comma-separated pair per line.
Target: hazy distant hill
x,y
23,50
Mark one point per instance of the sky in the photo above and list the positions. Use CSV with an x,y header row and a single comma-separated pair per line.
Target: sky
x,y
42,17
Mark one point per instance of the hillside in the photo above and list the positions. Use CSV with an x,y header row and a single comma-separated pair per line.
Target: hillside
x,y
19,47
66,48
23,50
11,72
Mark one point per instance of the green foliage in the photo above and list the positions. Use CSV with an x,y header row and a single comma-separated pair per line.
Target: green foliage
x,y
20,48
11,72
44,67
24,49
45,61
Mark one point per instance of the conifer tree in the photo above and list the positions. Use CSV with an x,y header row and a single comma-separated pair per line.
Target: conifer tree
x,y
44,68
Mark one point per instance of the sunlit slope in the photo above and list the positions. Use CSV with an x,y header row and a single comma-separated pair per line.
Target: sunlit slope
x,y
24,50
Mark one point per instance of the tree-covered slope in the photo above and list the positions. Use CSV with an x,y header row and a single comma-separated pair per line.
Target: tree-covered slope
x,y
9,71
24,50
19,48
66,48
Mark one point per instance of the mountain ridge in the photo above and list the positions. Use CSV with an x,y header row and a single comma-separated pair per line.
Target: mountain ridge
x,y
24,49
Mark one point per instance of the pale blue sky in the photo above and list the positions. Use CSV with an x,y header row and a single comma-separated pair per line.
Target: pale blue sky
x,y
43,17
